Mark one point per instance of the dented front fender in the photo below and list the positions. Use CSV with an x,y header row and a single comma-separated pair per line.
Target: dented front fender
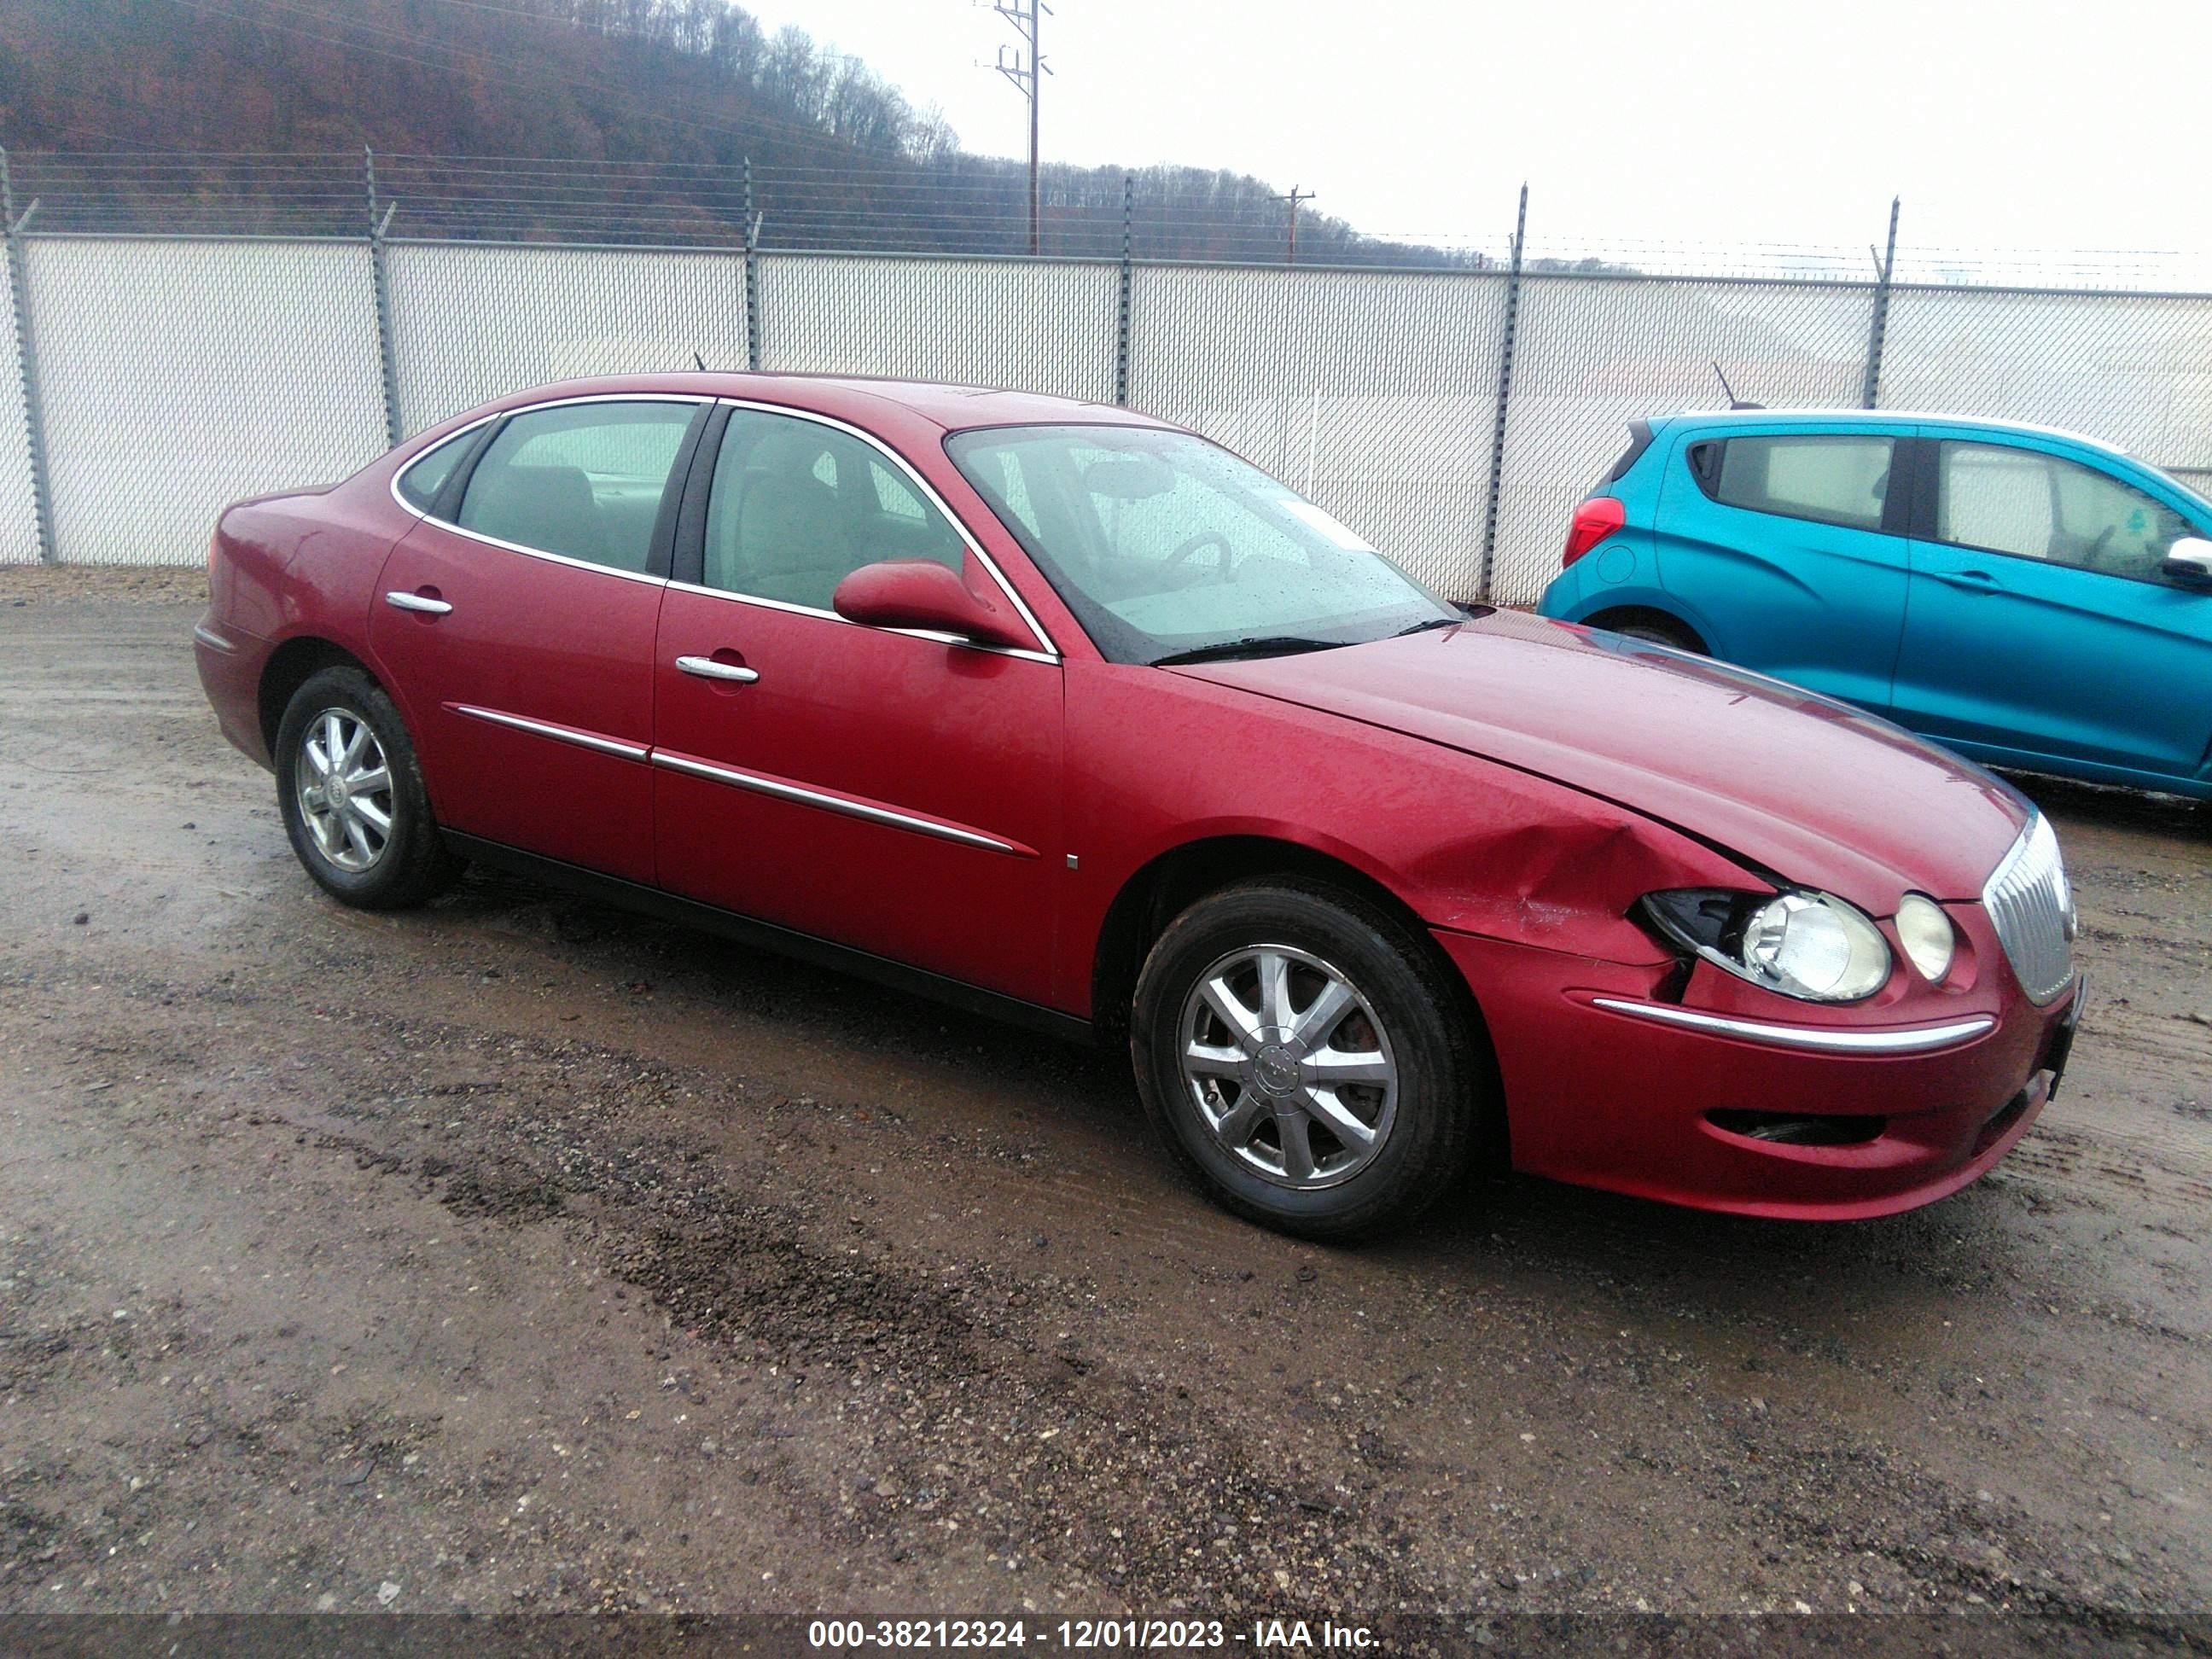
x,y
1158,762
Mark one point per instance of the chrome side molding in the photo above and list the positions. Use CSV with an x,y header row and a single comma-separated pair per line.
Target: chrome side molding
x,y
591,740
840,804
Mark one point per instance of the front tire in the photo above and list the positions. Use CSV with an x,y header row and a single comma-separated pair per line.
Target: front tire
x,y
352,796
1306,1059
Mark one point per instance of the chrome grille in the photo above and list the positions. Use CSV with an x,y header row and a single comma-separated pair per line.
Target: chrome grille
x,y
2033,909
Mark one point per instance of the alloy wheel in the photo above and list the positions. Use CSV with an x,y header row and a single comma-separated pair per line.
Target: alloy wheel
x,y
344,789
1288,1066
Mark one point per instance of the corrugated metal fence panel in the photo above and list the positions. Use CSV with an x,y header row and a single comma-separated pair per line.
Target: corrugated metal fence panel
x,y
176,376
1045,327
1594,353
2132,370
19,525
472,322
1373,392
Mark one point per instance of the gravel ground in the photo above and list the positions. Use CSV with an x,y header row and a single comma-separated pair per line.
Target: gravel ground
x,y
518,1254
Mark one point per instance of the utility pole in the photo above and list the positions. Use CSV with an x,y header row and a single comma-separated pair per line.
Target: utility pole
x,y
1294,198
1022,14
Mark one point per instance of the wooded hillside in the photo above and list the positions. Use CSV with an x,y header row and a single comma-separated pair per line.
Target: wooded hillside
x,y
617,121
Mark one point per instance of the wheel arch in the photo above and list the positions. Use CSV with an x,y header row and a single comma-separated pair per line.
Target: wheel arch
x,y
290,667
1618,617
1162,889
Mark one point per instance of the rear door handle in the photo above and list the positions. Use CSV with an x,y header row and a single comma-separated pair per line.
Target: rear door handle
x,y
399,601
1970,580
707,669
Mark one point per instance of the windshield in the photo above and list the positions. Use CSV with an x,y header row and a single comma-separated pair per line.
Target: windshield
x,y
1165,546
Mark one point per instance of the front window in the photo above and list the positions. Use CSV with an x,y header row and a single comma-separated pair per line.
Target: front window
x,y
796,506
1165,544
2033,505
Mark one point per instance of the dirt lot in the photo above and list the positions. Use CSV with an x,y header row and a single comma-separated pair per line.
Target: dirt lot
x,y
516,1254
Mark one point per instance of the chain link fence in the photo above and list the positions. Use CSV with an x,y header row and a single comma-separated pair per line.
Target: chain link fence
x,y
1035,325
176,374
1593,353
19,505
472,320
2133,369
1374,393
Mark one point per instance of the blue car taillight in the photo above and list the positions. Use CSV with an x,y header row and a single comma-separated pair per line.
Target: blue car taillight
x,y
1594,519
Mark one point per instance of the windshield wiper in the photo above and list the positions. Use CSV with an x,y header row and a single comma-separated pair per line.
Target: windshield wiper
x,y
1261,645
1424,626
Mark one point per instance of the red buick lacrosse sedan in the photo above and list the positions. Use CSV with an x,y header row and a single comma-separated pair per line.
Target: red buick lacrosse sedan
x,y
1070,716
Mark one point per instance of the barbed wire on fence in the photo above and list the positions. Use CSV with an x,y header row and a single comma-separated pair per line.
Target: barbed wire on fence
x,y
970,205
1443,408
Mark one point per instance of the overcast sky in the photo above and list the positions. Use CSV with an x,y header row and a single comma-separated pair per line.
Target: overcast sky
x,y
2003,124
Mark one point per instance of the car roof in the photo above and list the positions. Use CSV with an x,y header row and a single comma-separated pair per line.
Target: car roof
x,y
1881,417
951,407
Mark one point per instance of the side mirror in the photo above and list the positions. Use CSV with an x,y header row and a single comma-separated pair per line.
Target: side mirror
x,y
2189,562
918,594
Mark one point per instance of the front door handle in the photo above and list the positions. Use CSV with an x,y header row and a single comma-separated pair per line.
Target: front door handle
x,y
399,601
1972,581
707,669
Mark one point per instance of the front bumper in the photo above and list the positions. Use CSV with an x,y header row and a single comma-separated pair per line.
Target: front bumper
x,y
1613,1097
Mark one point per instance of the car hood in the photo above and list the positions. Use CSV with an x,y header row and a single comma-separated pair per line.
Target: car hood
x,y
1806,787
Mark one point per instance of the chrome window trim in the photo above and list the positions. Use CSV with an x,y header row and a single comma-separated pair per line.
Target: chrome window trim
x,y
839,803
1818,1038
423,453
559,733
1045,646
214,641
693,398
551,558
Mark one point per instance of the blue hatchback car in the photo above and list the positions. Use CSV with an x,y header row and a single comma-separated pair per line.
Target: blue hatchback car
x,y
2030,599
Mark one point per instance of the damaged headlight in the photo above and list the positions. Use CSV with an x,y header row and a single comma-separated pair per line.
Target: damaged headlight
x,y
1812,946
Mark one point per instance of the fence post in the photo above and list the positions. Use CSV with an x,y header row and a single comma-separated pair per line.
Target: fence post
x,y
752,275
1122,323
19,293
387,362
1880,326
1505,396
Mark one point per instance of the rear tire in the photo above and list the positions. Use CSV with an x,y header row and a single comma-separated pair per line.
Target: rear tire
x,y
352,796
1660,631
1307,1059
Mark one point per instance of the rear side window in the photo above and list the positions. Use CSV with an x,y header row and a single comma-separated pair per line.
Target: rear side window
x,y
1836,478
419,484
1639,440
584,481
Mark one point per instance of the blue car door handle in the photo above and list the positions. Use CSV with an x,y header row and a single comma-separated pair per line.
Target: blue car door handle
x,y
1974,581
